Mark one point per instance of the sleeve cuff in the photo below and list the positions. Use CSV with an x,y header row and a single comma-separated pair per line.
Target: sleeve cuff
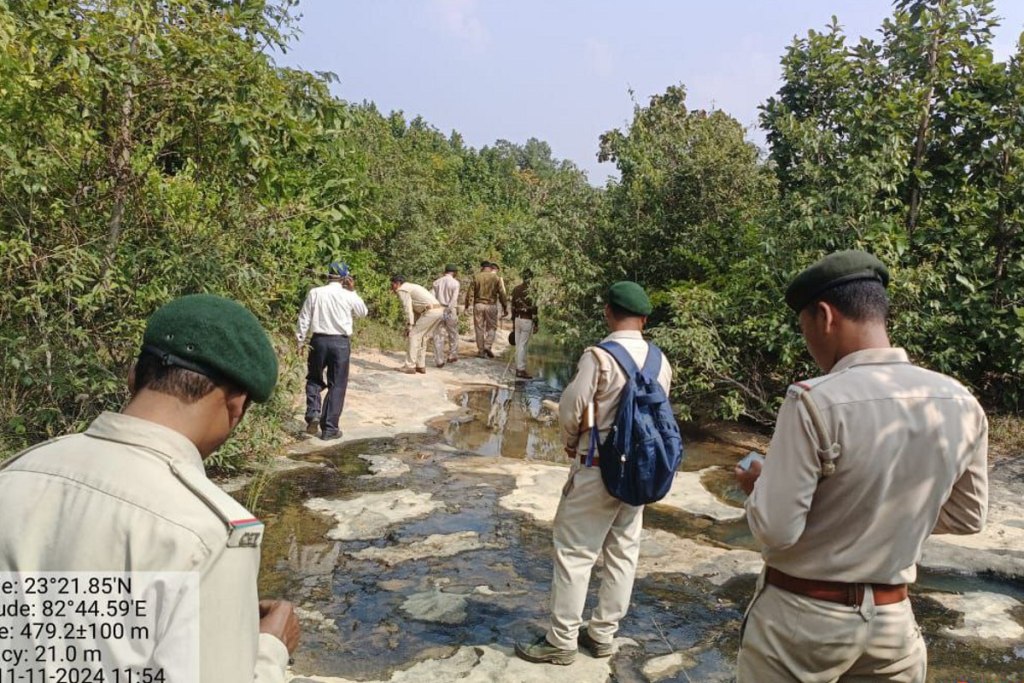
x,y
271,659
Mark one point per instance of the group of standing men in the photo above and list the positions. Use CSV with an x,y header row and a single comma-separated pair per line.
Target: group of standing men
x,y
866,462
328,312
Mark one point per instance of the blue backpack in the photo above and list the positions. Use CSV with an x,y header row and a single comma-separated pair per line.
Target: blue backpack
x,y
642,452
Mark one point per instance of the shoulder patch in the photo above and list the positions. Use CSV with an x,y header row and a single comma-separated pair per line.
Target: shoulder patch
x,y
245,533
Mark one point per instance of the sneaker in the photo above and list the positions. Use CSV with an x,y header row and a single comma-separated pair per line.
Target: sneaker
x,y
542,652
439,366
595,648
312,427
331,436
422,371
488,353
453,360
523,374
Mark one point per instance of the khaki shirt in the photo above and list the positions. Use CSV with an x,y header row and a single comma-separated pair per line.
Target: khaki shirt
x,y
600,379
913,446
523,305
415,299
487,288
131,495
446,291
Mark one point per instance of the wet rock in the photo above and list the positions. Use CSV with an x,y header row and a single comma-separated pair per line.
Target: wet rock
x,y
999,548
663,552
436,606
435,545
368,515
384,466
538,486
985,615
690,495
488,663
317,559
311,617
660,668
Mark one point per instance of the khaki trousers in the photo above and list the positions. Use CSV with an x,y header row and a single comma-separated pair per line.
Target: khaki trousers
x,y
447,330
587,523
790,638
524,330
485,325
416,355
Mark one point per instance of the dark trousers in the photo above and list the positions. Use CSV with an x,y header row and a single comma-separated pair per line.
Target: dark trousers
x,y
330,353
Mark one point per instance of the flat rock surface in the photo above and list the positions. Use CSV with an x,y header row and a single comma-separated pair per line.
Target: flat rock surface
x,y
368,515
435,545
489,664
690,495
661,551
986,616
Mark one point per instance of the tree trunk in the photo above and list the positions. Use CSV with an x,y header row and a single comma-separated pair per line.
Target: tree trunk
x,y
922,135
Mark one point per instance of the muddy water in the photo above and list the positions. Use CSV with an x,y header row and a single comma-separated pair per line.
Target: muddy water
x,y
356,616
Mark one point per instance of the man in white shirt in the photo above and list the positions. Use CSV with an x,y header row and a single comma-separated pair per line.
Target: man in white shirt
x,y
327,314
422,313
446,291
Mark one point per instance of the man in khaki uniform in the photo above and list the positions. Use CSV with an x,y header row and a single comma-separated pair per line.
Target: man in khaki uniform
x,y
484,294
422,314
524,321
446,291
130,494
589,520
866,462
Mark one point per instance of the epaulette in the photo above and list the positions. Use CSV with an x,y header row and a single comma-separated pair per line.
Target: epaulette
x,y
244,530
828,449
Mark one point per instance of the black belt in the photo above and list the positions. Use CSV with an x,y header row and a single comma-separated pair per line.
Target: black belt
x,y
320,335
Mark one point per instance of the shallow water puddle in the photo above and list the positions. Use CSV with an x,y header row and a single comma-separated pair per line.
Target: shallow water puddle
x,y
472,568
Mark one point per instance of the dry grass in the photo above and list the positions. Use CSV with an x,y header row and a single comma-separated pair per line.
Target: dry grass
x,y
1005,436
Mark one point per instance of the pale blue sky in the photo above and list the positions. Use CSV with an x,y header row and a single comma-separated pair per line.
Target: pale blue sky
x,y
561,70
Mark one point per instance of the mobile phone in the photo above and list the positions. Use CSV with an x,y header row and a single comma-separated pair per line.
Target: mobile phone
x,y
748,459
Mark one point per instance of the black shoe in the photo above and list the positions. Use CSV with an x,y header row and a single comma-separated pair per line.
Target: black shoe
x,y
523,374
331,436
312,427
488,353
595,648
541,651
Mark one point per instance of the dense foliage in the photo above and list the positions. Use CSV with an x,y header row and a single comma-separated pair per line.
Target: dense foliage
x,y
154,149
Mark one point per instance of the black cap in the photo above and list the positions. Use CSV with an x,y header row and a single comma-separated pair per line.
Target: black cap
x,y
834,270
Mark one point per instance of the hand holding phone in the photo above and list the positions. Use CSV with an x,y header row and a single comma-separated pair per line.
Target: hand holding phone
x,y
749,459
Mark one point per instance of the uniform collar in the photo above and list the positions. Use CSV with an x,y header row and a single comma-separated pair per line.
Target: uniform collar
x,y
885,356
135,431
625,334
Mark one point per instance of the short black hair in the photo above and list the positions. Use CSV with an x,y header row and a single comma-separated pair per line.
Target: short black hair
x,y
186,385
400,279
860,300
618,312
485,264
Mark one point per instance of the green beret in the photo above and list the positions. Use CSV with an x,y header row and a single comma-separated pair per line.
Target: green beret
x,y
216,337
831,271
629,296
451,268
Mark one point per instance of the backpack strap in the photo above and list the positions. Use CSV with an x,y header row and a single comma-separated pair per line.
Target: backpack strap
x,y
622,357
652,366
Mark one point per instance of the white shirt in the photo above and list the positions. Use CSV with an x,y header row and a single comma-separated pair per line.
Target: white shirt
x,y
329,310
446,291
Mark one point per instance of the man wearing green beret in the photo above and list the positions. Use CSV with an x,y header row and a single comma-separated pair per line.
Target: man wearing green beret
x,y
589,520
446,291
130,496
866,462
